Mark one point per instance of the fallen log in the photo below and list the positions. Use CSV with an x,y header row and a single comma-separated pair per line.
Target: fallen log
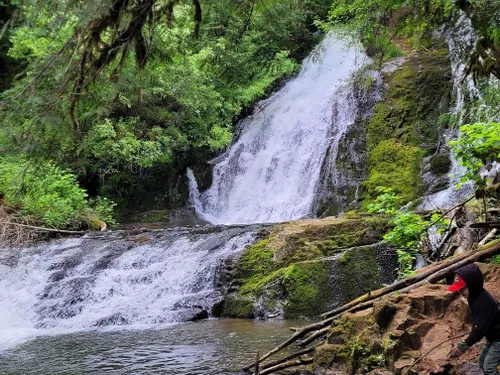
x,y
43,229
474,257
396,286
488,237
297,335
313,337
488,224
288,364
288,357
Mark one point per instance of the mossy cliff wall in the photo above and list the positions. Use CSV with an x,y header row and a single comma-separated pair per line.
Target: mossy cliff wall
x,y
305,267
406,127
395,136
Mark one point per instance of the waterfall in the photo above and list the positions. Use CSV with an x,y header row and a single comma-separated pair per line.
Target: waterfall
x,y
270,173
460,40
137,280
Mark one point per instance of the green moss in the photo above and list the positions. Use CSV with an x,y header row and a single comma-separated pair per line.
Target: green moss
x,y
395,165
440,164
360,273
325,355
309,289
405,124
254,284
257,260
238,307
154,216
283,267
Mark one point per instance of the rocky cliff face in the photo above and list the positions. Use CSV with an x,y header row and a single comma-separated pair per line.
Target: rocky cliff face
x,y
391,336
396,138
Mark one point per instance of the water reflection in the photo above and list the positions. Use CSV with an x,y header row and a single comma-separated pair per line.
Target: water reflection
x,y
216,347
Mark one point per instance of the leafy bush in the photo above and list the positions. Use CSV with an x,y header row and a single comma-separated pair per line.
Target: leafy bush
x,y
103,209
44,191
476,145
49,194
409,230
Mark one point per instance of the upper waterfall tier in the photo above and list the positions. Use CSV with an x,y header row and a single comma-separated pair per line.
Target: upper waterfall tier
x,y
270,172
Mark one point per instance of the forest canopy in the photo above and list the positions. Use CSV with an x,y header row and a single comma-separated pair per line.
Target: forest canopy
x,y
119,92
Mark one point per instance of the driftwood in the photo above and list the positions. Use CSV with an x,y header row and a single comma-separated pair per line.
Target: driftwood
x,y
288,357
398,285
43,229
313,337
489,224
288,364
430,275
489,236
472,257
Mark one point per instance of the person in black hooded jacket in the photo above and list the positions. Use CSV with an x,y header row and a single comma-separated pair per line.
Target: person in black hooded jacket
x,y
485,312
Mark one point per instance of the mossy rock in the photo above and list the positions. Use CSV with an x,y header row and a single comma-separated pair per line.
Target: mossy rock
x,y
440,164
405,125
354,340
358,273
308,289
155,216
238,307
398,166
304,240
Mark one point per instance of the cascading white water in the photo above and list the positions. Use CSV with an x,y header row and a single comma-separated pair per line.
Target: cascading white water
x,y
122,279
460,41
270,172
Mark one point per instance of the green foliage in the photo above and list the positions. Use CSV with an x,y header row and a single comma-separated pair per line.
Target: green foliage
x,y
495,260
51,195
124,122
409,229
476,145
103,209
46,192
385,202
380,23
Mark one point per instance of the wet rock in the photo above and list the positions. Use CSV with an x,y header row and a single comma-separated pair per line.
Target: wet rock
x,y
113,320
203,314
238,307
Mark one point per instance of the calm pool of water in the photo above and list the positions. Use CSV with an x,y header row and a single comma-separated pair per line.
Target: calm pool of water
x,y
215,347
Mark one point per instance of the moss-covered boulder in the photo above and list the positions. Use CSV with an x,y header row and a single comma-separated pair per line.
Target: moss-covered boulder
x,y
237,307
305,267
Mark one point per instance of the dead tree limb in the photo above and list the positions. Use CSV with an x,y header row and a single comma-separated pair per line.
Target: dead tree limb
x,y
314,336
288,364
291,356
488,237
396,286
43,229
476,256
432,349
489,224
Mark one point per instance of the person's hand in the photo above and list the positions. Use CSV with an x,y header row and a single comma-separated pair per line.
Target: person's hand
x,y
455,352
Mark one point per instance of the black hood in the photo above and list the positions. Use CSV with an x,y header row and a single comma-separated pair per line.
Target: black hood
x,y
473,277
